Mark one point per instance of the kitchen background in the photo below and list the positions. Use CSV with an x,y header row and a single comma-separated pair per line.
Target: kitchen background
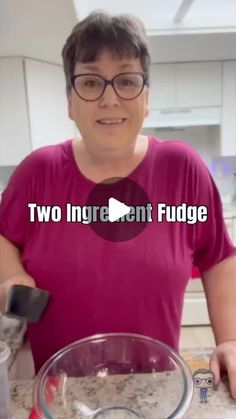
x,y
192,95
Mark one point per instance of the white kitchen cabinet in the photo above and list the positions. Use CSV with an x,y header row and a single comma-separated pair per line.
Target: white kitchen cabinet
x,y
49,121
198,84
186,85
183,117
33,108
162,88
228,127
185,94
14,124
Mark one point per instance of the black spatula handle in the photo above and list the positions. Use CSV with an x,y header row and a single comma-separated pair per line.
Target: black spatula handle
x,y
26,302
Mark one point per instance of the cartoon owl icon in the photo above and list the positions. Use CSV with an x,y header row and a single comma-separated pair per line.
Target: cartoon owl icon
x,y
203,379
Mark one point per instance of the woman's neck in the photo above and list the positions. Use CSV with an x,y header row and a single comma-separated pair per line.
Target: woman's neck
x,y
110,162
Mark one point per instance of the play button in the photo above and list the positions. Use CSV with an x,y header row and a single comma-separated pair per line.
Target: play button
x,y
117,209
121,209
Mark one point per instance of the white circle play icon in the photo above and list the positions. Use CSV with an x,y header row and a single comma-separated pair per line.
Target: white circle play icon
x,y
117,209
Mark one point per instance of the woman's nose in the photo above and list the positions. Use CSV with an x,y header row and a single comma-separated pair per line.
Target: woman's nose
x,y
109,97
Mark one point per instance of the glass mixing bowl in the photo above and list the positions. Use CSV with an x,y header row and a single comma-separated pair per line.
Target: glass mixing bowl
x,y
114,376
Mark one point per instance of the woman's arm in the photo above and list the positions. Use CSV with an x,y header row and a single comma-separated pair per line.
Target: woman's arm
x,y
220,287
11,269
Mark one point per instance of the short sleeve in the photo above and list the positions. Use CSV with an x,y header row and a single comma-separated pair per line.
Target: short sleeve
x,y
14,218
28,184
212,242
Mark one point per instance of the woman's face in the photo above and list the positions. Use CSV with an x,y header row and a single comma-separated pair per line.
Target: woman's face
x,y
110,122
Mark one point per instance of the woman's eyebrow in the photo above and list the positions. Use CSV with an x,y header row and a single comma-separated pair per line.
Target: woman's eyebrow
x,y
93,67
122,66
90,67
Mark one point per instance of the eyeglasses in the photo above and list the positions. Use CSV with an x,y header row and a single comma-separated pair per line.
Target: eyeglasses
x,y
198,380
90,87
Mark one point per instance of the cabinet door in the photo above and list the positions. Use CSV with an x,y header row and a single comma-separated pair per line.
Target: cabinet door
x,y
14,124
162,88
228,128
198,84
183,117
49,121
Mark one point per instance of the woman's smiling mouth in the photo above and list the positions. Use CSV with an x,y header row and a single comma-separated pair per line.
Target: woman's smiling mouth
x,y
111,121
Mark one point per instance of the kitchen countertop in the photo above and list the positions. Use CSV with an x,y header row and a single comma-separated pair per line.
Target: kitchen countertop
x,y
219,406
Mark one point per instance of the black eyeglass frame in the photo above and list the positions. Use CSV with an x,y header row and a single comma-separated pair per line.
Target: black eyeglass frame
x,y
108,82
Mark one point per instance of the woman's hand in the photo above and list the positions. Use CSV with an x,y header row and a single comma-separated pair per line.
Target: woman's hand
x,y
223,360
19,279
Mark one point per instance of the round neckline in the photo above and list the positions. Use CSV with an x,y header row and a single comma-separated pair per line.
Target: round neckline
x,y
129,176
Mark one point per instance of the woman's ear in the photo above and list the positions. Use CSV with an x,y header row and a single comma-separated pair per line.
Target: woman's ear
x,y
146,110
69,105
146,113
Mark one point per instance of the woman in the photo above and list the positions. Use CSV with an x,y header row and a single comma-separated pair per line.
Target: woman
x,y
100,285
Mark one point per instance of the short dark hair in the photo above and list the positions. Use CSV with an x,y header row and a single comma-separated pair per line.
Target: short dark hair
x,y
124,35
202,371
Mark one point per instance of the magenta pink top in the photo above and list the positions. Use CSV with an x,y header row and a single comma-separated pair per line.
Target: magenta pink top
x,y
102,286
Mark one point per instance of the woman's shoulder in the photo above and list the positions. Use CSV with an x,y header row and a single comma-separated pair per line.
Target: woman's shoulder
x,y
176,151
173,147
48,153
41,162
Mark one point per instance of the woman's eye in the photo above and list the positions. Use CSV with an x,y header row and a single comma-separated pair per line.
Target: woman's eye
x,y
127,82
124,82
91,83
209,381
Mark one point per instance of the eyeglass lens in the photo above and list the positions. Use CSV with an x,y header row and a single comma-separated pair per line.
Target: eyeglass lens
x,y
91,87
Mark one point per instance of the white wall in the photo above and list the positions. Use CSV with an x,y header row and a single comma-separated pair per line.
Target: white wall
x,y
35,29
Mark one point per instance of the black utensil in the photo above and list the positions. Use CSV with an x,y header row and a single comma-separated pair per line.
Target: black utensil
x,y
26,302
